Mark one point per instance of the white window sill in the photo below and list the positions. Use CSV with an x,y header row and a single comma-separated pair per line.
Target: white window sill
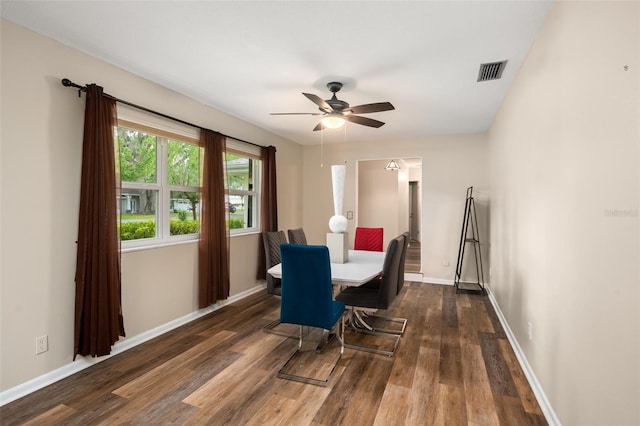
x,y
178,243
157,245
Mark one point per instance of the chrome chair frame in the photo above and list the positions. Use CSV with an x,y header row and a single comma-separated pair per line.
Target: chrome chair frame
x,y
310,380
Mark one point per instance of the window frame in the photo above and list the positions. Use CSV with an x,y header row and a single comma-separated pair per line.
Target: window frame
x,y
252,152
164,130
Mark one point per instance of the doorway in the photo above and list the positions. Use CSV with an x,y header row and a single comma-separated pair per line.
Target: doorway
x,y
391,199
412,259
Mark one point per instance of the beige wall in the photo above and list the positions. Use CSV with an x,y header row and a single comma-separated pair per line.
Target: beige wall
x,y
383,198
564,159
41,147
449,165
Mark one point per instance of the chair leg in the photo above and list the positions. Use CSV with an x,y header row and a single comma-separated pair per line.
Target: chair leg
x,y
341,334
300,340
367,326
310,380
372,331
271,328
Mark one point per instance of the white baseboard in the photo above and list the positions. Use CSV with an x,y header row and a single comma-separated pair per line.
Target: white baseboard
x,y
442,281
85,362
547,410
413,276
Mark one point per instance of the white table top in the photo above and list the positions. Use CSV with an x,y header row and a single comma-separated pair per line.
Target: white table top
x,y
361,267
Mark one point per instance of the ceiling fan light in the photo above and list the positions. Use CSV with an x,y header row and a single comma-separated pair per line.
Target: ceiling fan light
x,y
333,121
392,165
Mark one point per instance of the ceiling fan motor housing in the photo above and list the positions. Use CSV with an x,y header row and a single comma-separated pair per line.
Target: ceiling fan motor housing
x,y
336,104
336,108
334,86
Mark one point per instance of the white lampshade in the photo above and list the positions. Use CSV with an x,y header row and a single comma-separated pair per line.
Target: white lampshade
x,y
392,165
333,121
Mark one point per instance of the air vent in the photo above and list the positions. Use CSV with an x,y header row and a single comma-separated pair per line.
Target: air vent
x,y
491,71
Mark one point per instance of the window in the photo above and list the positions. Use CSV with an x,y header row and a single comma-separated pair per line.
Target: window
x,y
160,186
243,186
160,166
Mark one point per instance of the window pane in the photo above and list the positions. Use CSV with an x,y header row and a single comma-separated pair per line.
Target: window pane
x,y
185,213
138,216
239,172
183,164
137,156
235,205
241,211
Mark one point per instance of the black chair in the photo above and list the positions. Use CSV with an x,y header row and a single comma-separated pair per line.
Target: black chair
x,y
296,236
377,294
375,283
272,241
307,299
402,260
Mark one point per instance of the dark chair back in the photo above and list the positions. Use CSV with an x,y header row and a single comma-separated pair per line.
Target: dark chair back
x,y
402,260
296,236
369,239
307,291
272,241
389,283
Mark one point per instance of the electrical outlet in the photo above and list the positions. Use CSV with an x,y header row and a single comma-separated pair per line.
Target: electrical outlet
x,y
42,344
530,330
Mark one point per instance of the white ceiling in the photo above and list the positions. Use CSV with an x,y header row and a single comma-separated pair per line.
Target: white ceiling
x,y
253,58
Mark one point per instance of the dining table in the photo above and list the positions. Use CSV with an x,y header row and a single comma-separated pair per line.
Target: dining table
x,y
361,267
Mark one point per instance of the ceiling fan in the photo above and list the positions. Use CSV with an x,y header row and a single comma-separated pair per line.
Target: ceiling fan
x,y
337,112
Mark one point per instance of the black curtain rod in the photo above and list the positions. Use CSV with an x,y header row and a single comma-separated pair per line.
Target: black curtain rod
x,y
68,83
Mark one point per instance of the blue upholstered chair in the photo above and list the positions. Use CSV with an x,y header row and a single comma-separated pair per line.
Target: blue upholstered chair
x,y
307,298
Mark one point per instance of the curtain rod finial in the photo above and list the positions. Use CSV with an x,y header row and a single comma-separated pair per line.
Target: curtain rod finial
x,y
68,83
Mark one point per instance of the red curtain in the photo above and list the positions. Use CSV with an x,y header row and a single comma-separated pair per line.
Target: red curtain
x,y
268,203
98,304
213,247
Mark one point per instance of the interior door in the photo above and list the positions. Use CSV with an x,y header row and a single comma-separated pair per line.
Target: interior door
x,y
414,217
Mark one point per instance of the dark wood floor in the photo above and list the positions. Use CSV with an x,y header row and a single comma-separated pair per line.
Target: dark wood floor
x,y
412,259
454,366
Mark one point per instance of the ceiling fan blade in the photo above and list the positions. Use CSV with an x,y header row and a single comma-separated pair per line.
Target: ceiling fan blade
x,y
296,113
367,108
319,101
320,126
364,121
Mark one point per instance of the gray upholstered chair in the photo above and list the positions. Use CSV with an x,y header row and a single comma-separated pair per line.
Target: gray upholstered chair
x,y
375,295
375,283
296,236
272,241
402,260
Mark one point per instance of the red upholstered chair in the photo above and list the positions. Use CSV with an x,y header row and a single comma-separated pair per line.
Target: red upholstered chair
x,y
369,239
